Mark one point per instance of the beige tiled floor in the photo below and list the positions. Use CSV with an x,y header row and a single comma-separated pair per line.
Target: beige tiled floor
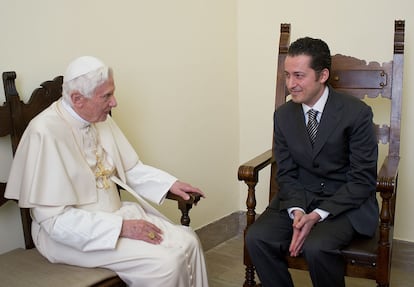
x,y
225,269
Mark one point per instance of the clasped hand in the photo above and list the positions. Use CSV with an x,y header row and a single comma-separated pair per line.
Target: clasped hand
x,y
302,225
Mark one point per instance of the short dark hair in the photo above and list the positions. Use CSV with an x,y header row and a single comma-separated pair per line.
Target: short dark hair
x,y
317,49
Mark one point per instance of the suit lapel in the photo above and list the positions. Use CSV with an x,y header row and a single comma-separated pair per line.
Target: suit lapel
x,y
330,119
301,132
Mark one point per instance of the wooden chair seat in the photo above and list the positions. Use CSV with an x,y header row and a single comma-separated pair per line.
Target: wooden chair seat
x,y
362,251
27,267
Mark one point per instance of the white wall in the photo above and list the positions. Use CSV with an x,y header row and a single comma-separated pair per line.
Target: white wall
x,y
360,28
175,65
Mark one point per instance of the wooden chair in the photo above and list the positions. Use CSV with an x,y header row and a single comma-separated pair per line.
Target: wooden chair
x,y
366,258
27,267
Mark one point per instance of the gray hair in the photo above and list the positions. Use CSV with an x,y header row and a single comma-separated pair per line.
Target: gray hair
x,y
86,84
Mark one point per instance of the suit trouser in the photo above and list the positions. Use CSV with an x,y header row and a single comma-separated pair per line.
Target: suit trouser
x,y
268,242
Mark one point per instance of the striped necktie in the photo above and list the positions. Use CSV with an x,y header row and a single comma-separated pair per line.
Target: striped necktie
x,y
312,125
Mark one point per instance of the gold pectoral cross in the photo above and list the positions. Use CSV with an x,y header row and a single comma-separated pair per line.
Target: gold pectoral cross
x,y
102,175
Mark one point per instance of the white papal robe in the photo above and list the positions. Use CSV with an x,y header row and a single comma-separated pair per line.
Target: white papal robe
x,y
76,210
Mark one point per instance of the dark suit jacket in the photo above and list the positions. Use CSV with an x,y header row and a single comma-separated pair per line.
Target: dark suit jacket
x,y
339,173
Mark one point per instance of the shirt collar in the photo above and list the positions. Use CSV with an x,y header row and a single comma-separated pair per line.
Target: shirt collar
x,y
319,105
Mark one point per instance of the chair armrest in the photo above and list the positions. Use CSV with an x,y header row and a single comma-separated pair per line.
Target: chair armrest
x,y
387,187
387,176
194,198
249,171
185,205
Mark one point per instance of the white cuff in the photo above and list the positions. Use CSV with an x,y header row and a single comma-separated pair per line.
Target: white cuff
x,y
150,182
322,213
292,209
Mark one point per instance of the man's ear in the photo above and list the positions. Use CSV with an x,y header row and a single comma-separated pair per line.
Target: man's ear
x,y
324,76
77,99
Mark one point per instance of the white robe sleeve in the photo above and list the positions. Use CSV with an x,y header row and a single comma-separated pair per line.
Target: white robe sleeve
x,y
80,229
149,182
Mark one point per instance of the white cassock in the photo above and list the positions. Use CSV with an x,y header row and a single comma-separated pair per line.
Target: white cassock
x,y
62,170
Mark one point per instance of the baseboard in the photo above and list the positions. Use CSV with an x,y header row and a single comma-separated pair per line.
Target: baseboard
x,y
222,229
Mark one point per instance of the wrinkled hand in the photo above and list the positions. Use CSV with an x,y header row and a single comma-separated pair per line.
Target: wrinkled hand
x,y
182,189
140,229
302,225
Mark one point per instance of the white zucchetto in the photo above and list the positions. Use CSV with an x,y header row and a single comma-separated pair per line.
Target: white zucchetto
x,y
82,66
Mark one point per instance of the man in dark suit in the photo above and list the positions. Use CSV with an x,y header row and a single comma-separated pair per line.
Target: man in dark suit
x,y
327,169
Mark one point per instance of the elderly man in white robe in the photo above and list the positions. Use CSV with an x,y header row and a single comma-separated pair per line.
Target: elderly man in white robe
x,y
65,170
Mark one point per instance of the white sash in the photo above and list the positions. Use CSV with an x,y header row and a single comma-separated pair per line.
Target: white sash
x,y
144,204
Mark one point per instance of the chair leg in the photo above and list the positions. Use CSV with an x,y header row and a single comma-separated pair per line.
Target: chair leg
x,y
249,275
185,211
185,205
250,218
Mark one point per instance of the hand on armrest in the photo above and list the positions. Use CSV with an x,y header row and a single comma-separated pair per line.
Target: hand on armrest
x,y
182,191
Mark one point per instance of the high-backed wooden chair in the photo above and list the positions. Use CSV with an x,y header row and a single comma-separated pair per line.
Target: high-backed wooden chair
x,y
366,258
26,267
